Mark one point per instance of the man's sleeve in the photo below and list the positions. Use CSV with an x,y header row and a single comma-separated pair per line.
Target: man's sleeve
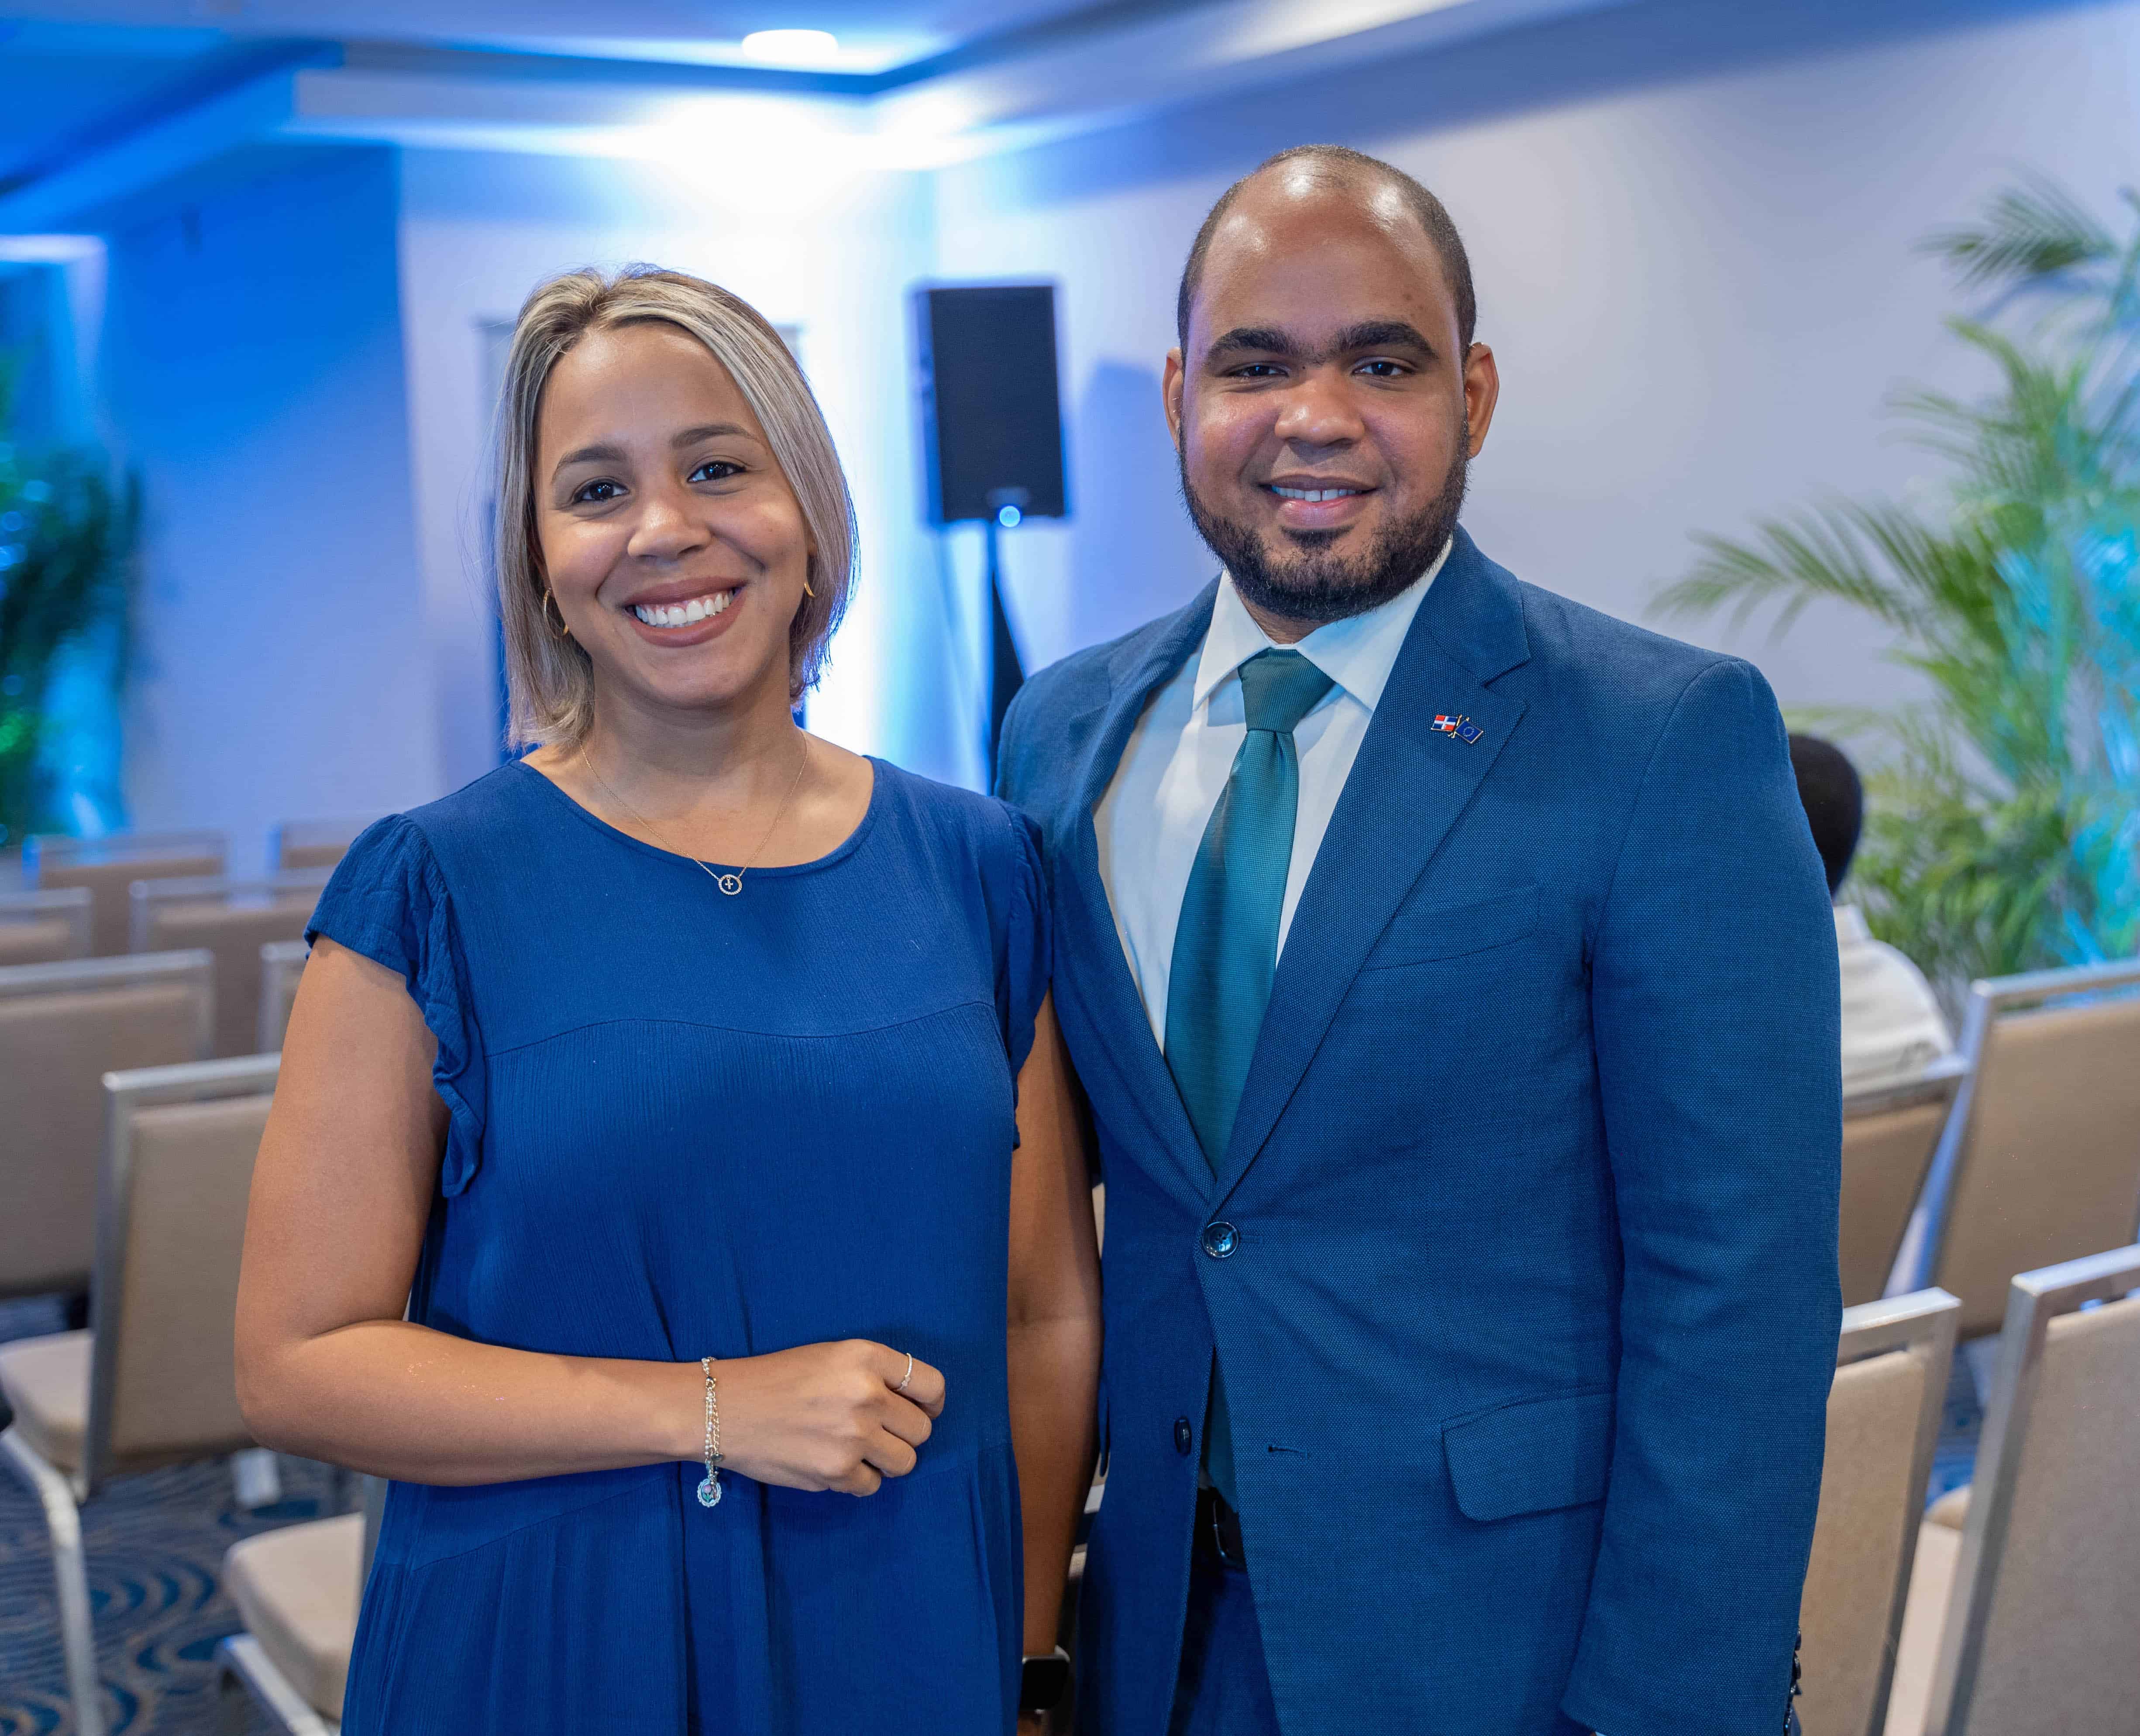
x,y
1716,1002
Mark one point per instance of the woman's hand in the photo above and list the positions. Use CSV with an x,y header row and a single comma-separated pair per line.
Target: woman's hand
x,y
826,1416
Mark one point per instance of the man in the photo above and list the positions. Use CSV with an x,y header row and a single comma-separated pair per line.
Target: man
x,y
1892,1028
1448,969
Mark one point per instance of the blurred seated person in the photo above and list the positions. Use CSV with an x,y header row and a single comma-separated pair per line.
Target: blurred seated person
x,y
1892,1029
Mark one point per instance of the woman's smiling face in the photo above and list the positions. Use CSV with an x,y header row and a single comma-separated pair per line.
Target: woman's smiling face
x,y
674,547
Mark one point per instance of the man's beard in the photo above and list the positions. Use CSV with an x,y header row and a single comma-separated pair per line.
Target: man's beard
x,y
1318,584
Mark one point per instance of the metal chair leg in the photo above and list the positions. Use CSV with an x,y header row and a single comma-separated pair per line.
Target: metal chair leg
x,y
233,1704
70,1574
243,1661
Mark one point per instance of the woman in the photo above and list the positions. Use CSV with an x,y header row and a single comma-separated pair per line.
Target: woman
x,y
692,1082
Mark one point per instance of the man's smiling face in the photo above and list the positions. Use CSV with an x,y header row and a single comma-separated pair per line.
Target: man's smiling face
x,y
1321,405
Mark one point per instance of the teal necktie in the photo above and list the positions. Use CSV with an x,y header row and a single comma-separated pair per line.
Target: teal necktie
x,y
1225,947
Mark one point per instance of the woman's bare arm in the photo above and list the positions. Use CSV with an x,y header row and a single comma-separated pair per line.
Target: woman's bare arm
x,y
1054,1323
327,1367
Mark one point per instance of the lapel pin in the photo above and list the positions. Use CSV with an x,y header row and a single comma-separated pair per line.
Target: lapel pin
x,y
1457,723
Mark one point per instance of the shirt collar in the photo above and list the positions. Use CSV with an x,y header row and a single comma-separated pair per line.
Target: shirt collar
x,y
1357,653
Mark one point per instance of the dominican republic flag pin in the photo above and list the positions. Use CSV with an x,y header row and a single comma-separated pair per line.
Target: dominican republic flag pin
x,y
1456,725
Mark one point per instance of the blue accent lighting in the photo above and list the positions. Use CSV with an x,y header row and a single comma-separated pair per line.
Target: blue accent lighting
x,y
1009,517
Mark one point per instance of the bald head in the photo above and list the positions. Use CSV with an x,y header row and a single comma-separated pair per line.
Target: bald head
x,y
1313,171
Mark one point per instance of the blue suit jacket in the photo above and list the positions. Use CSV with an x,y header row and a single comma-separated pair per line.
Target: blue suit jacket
x,y
1529,1328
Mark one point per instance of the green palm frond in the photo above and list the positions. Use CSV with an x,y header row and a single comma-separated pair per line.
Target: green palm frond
x,y
69,542
2003,830
2033,230
1832,549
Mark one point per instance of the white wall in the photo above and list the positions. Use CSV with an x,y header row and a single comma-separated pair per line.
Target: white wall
x,y
252,373
1691,227
828,254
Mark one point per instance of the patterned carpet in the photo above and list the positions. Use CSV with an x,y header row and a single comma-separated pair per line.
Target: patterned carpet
x,y
156,1543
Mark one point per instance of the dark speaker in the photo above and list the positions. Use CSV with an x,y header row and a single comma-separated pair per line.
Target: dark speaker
x,y
991,413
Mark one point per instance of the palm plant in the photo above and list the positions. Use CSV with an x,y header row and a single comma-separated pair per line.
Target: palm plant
x,y
66,541
2003,829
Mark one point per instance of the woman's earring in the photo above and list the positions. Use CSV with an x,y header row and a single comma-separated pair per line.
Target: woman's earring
x,y
807,590
550,602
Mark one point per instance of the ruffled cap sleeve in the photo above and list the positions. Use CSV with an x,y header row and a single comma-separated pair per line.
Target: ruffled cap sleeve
x,y
388,900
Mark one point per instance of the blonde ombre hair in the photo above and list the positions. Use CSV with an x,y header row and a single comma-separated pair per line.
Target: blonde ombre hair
x,y
549,680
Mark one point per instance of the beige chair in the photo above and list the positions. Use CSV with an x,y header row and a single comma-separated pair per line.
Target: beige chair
x,y
2040,1160
233,920
62,1027
281,966
303,844
2038,1635
298,1591
43,928
109,866
151,1382
1889,1135
1883,1415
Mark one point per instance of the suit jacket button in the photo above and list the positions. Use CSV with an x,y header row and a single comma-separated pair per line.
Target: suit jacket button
x,y
1220,1239
1182,1438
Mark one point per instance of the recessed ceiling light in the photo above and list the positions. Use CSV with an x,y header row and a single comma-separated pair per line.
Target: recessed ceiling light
x,y
793,47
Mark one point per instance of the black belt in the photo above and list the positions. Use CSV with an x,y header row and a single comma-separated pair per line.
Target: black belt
x,y
1219,1530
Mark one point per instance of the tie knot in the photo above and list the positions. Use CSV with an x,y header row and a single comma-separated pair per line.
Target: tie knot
x,y
1278,689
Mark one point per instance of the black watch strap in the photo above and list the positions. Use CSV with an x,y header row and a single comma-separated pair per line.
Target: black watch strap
x,y
1043,1681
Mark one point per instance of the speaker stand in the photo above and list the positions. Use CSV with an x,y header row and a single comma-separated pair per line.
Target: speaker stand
x,y
1006,673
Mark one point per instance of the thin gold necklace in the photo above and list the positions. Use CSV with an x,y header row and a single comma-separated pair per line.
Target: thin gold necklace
x,y
731,882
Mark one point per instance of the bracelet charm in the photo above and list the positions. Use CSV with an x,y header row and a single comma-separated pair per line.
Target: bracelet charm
x,y
709,1490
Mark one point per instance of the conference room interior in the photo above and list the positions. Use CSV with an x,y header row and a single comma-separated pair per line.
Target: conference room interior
x,y
1819,328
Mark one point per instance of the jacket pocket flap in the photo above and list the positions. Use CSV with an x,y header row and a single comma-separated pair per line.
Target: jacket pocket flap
x,y
1448,931
1531,1456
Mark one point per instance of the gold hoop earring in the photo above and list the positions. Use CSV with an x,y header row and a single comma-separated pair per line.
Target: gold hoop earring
x,y
807,590
550,602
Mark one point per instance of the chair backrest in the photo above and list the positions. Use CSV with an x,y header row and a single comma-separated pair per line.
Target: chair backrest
x,y
232,919
109,866
2040,1162
43,928
299,844
282,965
1883,1415
2040,1636
62,1027
1888,1137
180,1143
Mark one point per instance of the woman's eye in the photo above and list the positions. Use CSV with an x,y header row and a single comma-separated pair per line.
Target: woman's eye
x,y
716,470
599,492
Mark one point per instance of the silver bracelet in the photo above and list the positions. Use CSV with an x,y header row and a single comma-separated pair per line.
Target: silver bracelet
x,y
710,1491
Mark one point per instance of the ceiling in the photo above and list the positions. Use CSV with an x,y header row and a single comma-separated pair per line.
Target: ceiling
x,y
875,35
58,81
101,98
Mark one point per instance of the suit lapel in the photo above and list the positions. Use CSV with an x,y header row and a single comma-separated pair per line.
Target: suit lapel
x,y
1406,789
1097,971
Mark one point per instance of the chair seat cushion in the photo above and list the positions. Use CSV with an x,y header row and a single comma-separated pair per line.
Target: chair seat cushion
x,y
298,1589
1951,1510
1924,1619
46,1383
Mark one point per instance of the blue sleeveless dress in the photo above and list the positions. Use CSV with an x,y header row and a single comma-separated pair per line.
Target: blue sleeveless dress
x,y
683,1124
